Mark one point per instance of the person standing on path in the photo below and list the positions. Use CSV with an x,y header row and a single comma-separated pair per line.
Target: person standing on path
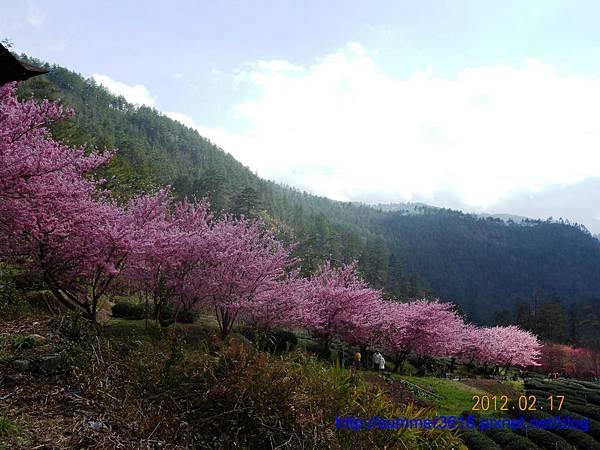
x,y
355,363
376,358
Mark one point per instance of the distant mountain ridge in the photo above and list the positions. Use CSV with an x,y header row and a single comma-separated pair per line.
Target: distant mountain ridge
x,y
421,208
481,262
506,217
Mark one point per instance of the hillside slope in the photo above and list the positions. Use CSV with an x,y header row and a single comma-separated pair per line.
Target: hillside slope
x,y
482,264
486,263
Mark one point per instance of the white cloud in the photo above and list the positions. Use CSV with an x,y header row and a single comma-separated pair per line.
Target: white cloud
x,y
137,94
217,135
522,140
181,118
277,65
35,16
343,128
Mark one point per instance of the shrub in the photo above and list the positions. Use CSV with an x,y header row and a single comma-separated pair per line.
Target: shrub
x,y
478,441
249,333
240,397
594,426
591,411
274,341
186,316
319,349
280,341
12,303
24,342
545,439
168,316
579,439
127,310
511,441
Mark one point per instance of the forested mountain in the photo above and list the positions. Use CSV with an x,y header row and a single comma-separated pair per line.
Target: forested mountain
x,y
483,264
487,262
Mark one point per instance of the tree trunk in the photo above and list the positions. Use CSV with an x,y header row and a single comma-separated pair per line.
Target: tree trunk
x,y
399,362
226,322
452,364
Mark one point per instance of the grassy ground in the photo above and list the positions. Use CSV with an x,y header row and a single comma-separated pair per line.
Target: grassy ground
x,y
456,397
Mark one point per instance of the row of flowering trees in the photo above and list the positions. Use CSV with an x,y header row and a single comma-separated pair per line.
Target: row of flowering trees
x,y
570,361
57,220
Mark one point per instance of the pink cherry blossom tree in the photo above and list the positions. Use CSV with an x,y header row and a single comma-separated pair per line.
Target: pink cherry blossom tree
x,y
509,346
557,358
55,220
471,344
79,246
426,328
283,307
339,303
244,270
31,162
164,265
585,362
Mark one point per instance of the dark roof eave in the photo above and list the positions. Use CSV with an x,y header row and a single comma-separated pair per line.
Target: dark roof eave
x,y
11,69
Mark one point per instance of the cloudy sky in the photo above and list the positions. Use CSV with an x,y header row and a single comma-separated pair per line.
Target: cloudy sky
x,y
480,105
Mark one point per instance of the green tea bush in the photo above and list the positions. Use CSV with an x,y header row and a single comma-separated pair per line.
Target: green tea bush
x,y
579,439
594,426
591,411
545,439
589,384
475,440
508,440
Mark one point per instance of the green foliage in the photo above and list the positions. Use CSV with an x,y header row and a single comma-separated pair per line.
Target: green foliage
x,y
132,310
24,342
73,327
591,411
5,357
454,394
320,349
545,439
7,427
475,440
511,441
576,393
579,439
235,396
186,316
594,426
12,303
486,265
274,340
129,310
